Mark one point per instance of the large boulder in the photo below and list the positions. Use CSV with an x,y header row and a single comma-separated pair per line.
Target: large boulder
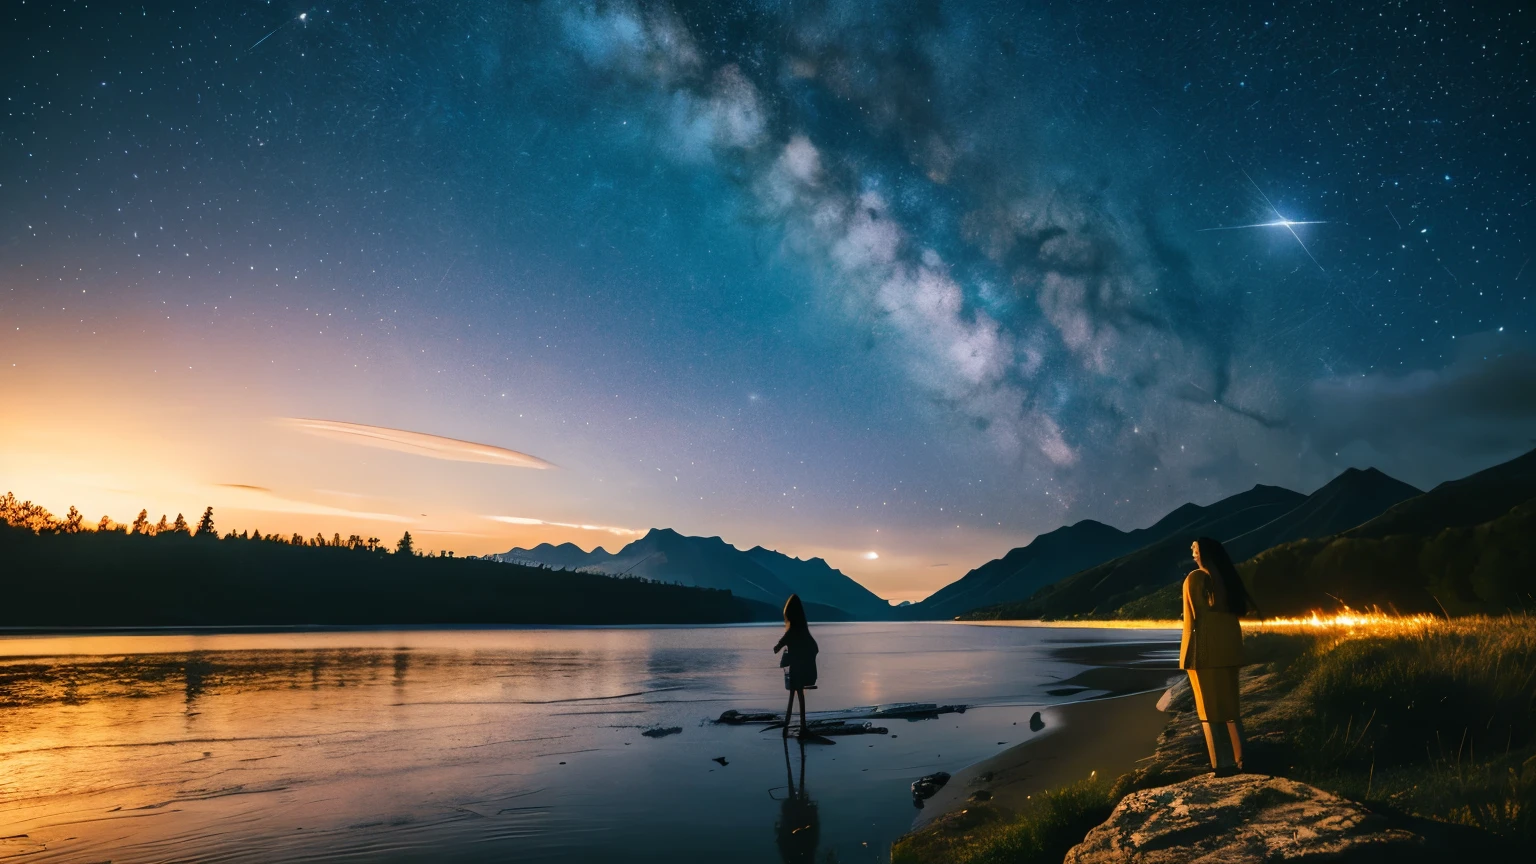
x,y
1244,819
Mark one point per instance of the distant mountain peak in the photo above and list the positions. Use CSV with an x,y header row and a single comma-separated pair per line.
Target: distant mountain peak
x,y
765,575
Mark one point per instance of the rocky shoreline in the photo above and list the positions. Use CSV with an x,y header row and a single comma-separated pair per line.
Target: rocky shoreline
x,y
1171,808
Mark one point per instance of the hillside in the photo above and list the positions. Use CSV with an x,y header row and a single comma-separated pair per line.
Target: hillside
x,y
1472,500
816,581
759,574
1024,570
1346,501
1466,569
566,556
1353,497
1426,554
1051,557
110,579
1459,548
1101,589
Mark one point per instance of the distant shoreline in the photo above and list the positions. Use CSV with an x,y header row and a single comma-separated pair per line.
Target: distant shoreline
x,y
235,629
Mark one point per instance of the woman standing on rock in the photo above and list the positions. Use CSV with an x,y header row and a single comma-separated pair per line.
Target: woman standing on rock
x,y
1212,646
799,660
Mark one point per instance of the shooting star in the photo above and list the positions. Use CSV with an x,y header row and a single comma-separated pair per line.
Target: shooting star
x,y
303,18
1283,223
1279,222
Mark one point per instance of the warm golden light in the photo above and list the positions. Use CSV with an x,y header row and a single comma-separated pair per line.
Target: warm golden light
x,y
1345,622
1348,620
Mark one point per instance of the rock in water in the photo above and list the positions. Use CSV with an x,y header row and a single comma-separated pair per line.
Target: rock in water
x,y
1035,723
928,786
1246,819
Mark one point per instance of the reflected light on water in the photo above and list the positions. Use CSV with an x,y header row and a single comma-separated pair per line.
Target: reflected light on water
x,y
480,746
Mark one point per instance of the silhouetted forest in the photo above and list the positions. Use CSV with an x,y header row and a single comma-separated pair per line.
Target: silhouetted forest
x,y
1486,569
1475,569
59,572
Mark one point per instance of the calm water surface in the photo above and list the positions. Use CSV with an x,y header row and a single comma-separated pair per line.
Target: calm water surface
x,y
500,745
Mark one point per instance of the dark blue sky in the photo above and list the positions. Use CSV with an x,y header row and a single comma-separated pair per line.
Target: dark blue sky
x,y
926,278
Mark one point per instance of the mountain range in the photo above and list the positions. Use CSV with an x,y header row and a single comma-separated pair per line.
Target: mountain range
x,y
1246,523
1465,546
1090,569
664,555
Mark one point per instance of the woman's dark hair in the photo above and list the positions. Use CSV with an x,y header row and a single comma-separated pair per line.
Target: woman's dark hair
x,y
1216,561
794,613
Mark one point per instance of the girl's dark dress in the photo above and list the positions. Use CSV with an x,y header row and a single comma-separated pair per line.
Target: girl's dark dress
x,y
799,660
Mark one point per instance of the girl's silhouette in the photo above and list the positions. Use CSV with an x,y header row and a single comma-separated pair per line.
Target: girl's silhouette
x,y
799,660
1212,647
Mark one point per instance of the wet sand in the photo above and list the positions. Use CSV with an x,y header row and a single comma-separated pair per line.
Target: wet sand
x,y
1106,736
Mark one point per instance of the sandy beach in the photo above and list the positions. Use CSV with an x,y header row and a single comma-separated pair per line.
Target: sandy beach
x,y
1108,736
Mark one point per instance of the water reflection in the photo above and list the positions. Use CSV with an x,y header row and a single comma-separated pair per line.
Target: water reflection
x,y
484,746
799,827
402,665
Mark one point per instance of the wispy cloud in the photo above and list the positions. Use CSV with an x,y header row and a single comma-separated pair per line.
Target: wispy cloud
x,y
523,520
417,443
246,497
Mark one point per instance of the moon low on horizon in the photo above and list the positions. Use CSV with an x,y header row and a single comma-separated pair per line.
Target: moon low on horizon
x,y
899,285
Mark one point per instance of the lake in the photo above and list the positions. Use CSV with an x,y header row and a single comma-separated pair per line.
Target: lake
x,y
509,744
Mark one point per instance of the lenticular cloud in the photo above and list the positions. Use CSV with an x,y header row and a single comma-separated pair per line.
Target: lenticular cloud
x,y
417,443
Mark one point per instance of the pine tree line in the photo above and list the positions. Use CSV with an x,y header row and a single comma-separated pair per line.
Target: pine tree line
x,y
37,519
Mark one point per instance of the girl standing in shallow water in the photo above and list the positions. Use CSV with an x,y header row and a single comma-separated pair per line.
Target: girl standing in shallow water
x,y
1212,647
799,660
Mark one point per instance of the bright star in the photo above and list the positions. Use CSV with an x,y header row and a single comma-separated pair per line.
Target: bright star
x,y
1279,222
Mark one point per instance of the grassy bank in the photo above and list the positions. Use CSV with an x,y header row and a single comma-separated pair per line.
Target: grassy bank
x,y
1420,719
1055,822
1430,719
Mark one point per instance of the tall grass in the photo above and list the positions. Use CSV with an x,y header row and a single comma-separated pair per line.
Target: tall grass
x,y
1432,718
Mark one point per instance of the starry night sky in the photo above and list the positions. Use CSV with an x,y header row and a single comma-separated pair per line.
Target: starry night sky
x,y
833,277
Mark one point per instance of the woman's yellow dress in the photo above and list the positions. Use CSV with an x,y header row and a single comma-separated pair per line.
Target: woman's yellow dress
x,y
1211,650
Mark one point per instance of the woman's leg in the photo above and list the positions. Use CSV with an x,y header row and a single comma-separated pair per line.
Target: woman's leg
x,y
1210,742
803,726
789,713
1237,744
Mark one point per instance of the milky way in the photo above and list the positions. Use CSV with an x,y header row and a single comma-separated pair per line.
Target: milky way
x,y
918,266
